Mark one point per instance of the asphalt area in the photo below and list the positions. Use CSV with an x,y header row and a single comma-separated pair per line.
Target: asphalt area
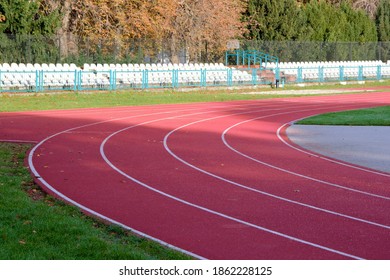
x,y
368,146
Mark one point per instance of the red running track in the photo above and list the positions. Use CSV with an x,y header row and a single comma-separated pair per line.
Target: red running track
x,y
215,180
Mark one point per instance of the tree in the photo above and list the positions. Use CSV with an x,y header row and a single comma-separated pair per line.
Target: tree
x,y
329,23
189,24
198,24
383,27
359,27
370,6
122,18
25,30
383,21
27,17
270,20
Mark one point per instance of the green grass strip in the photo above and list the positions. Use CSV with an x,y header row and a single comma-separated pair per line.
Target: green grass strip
x,y
379,116
98,99
34,225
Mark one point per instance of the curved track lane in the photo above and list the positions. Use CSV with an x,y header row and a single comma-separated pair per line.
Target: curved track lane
x,y
215,180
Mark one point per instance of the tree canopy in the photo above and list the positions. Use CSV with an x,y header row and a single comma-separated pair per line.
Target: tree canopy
x,y
193,25
27,17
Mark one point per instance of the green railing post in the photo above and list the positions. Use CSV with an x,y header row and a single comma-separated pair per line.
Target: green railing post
x,y
320,74
341,73
379,72
145,79
360,73
41,81
112,79
229,77
175,78
75,84
299,75
203,78
80,85
277,73
254,79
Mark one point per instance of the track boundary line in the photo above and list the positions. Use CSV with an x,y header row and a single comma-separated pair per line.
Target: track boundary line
x,y
43,182
112,166
292,172
209,210
262,192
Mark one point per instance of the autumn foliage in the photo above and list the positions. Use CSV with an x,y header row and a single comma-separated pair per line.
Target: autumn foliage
x,y
196,30
186,23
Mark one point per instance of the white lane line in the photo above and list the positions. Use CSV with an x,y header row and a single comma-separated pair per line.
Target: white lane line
x,y
43,182
112,221
289,171
256,190
185,202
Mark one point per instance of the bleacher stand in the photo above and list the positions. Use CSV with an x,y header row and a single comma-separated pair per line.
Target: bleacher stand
x,y
50,76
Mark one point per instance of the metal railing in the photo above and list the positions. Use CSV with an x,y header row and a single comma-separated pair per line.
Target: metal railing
x,y
115,79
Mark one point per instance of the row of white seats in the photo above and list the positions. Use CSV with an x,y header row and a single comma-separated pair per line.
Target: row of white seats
x,y
36,66
331,69
171,66
57,74
314,64
65,79
184,77
152,66
348,72
26,80
107,67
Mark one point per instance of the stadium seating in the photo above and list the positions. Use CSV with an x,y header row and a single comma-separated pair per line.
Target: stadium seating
x,y
38,77
334,70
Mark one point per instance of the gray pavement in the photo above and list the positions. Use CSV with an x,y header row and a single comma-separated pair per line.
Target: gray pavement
x,y
367,146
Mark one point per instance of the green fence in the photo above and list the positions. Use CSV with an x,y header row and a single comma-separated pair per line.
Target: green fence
x,y
115,79
290,51
73,49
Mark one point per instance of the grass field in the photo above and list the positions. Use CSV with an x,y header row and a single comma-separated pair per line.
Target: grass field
x,y
368,117
34,225
70,100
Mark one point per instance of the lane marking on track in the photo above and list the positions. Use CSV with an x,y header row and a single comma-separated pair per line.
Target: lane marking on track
x,y
266,193
185,202
289,171
44,183
210,210
86,209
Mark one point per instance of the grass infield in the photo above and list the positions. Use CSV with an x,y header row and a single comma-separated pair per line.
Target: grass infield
x,y
379,116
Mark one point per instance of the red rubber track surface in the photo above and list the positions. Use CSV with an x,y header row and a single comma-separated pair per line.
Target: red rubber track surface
x,y
215,180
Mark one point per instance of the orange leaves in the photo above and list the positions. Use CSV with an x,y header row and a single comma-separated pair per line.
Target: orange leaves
x,y
205,21
159,18
124,18
185,22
